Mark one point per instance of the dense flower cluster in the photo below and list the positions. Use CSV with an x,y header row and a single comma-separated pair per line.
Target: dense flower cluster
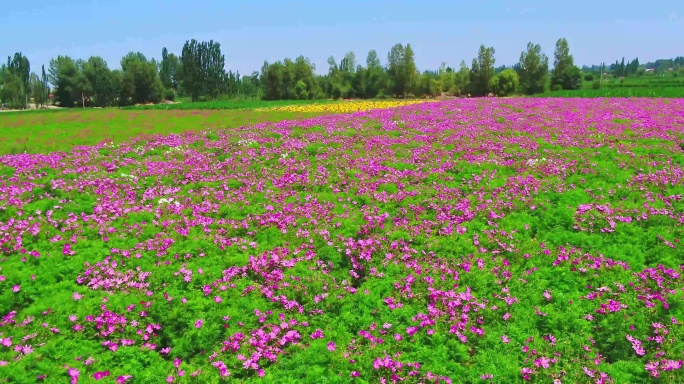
x,y
497,240
346,106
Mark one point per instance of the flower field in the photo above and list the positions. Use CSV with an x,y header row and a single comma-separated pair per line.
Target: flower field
x,y
468,241
344,107
48,131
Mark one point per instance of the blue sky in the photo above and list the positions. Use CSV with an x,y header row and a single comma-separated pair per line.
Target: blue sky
x,y
257,30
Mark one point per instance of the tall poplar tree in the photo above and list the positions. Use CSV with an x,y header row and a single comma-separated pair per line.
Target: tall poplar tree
x,y
533,69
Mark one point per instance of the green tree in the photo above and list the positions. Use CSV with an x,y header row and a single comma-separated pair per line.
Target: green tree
x,y
140,80
300,90
46,86
347,76
482,70
166,69
12,92
533,69
570,79
395,70
203,69
446,78
63,74
565,74
334,79
193,77
104,85
83,88
214,72
304,71
374,76
19,67
409,69
427,84
36,90
505,83
462,80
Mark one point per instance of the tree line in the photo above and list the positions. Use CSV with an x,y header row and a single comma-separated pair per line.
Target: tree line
x,y
199,73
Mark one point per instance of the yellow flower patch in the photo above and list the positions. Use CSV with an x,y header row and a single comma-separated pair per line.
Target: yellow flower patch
x,y
345,107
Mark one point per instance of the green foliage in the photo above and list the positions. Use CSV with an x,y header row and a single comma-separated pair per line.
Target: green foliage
x,y
203,70
198,75
140,80
570,79
482,71
565,75
533,70
300,91
505,83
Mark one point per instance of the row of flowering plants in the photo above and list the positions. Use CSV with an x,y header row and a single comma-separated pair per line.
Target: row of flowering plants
x,y
492,241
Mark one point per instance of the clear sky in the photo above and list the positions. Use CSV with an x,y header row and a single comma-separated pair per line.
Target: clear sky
x,y
257,30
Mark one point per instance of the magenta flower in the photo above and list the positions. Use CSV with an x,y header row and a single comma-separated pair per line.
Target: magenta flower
x,y
100,375
331,346
317,334
198,323
16,288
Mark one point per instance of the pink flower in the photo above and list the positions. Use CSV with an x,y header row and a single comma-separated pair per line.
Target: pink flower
x,y
77,296
542,362
16,288
505,339
198,323
317,334
331,346
73,372
100,375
